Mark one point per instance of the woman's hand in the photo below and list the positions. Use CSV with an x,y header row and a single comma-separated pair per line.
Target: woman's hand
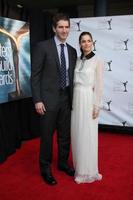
x,y
95,112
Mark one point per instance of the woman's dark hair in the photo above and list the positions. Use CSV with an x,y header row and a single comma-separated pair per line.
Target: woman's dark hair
x,y
84,33
80,38
58,17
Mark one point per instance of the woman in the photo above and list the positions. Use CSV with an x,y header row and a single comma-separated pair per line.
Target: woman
x,y
88,86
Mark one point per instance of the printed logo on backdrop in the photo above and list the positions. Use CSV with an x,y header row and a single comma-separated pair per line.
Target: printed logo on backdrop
x,y
108,66
120,86
109,24
107,105
125,43
125,86
5,65
94,45
76,25
121,44
105,24
14,60
124,123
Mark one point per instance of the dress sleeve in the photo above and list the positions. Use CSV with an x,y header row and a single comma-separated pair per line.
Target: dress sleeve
x,y
98,86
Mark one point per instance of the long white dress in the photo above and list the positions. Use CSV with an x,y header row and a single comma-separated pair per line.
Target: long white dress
x,y
88,86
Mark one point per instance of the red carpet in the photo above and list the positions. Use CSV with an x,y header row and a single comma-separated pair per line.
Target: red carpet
x,y
20,179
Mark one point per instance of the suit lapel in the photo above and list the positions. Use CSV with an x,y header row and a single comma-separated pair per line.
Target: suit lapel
x,y
70,62
55,52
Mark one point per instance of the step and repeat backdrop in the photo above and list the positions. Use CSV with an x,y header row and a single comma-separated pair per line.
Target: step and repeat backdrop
x,y
113,41
15,68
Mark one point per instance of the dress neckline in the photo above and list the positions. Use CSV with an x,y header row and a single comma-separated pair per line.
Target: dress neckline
x,y
88,56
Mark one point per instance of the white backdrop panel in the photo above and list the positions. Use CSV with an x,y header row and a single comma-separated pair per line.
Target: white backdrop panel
x,y
113,41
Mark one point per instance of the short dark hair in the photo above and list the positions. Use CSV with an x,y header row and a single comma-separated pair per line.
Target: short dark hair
x,y
58,17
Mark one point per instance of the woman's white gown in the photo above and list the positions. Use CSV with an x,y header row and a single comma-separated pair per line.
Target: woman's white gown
x,y
88,84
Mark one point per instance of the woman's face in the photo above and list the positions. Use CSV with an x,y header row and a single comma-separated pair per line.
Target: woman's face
x,y
86,44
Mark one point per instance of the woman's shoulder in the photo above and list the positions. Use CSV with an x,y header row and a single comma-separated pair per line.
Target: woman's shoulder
x,y
99,58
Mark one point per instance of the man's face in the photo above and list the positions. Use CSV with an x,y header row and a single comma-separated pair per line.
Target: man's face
x,y
62,30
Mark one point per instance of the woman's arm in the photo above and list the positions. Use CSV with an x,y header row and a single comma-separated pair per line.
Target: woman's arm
x,y
98,88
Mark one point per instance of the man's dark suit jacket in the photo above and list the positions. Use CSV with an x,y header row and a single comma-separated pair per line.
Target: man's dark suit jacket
x,y
45,73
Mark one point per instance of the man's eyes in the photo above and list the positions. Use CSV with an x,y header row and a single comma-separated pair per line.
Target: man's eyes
x,y
63,27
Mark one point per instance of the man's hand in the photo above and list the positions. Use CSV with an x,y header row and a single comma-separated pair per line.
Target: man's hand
x,y
40,108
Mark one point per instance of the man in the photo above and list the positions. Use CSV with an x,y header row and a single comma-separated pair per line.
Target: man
x,y
52,87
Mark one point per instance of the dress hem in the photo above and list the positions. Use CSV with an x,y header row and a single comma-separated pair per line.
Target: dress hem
x,y
87,179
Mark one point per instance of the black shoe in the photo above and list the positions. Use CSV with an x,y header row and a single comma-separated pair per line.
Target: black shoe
x,y
68,170
49,179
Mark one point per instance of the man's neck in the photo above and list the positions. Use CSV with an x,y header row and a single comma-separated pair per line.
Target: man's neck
x,y
59,39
